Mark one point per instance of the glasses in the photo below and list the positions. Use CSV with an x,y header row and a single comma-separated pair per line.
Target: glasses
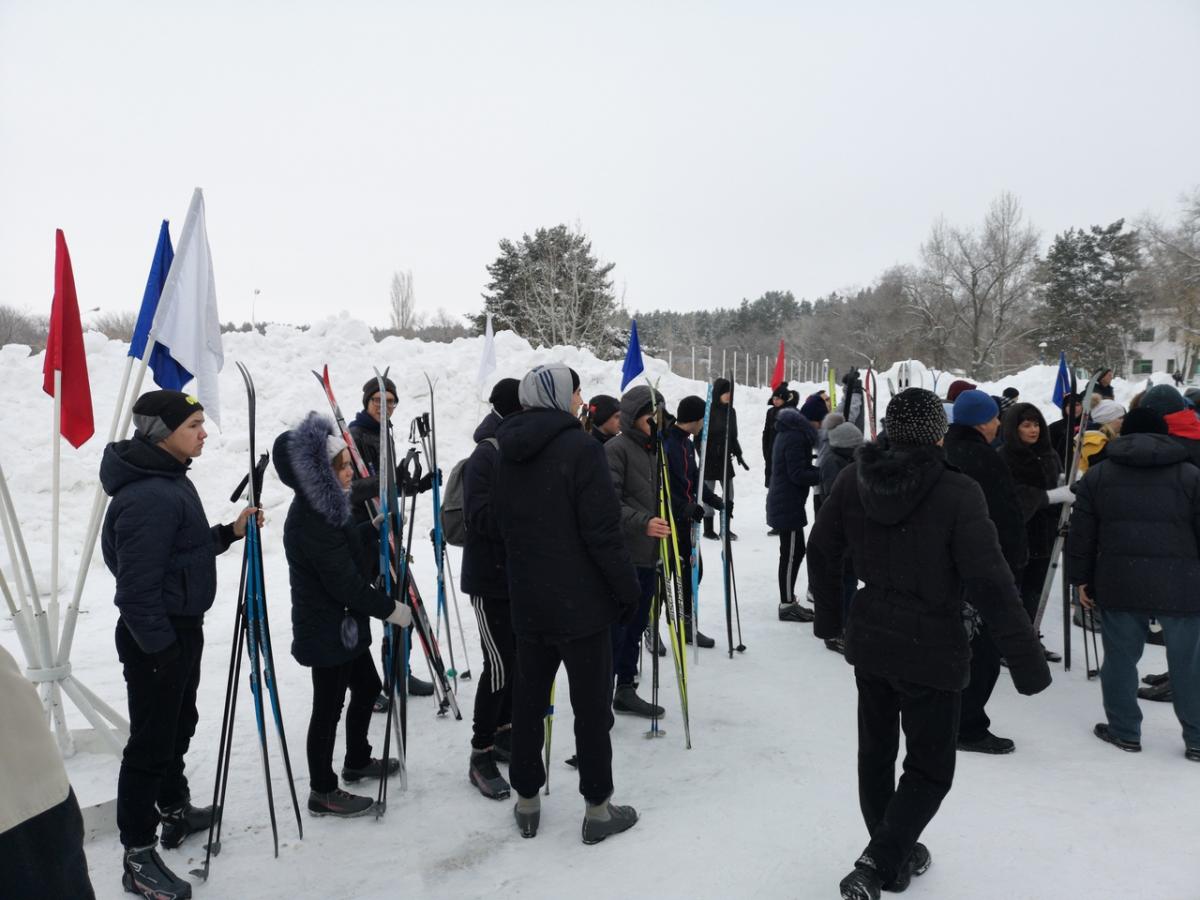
x,y
391,404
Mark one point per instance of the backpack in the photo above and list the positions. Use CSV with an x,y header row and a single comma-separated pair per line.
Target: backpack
x,y
454,517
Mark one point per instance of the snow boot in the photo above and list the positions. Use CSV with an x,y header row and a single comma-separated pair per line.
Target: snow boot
x,y
181,820
146,874
1101,731
1160,692
605,819
651,641
709,532
528,813
863,883
918,863
339,803
794,612
502,745
988,743
485,776
626,700
419,688
372,769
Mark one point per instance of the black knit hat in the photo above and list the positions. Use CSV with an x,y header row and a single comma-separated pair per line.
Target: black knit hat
x,y
504,397
915,417
602,408
781,392
1011,393
691,409
721,386
158,413
1143,420
371,388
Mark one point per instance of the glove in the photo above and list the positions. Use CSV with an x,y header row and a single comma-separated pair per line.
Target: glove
x,y
742,463
401,616
695,512
1060,495
716,503
363,490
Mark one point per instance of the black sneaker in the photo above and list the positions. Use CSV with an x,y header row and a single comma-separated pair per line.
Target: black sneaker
x,y
419,688
485,776
1153,680
918,863
1102,731
614,820
627,702
863,883
794,612
145,873
989,743
339,803
650,642
502,745
772,533
837,645
708,529
182,820
1050,655
373,769
702,639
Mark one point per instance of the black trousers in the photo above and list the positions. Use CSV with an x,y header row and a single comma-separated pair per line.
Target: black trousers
x,y
791,554
588,661
329,695
896,814
1033,577
162,720
493,695
985,671
43,859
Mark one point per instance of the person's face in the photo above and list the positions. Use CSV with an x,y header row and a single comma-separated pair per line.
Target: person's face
x,y
343,469
611,426
989,429
726,397
376,405
1077,410
187,441
642,424
1106,379
692,428
1029,431
777,402
577,401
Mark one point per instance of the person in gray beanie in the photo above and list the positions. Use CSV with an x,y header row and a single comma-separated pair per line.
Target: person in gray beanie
x,y
918,537
841,444
830,422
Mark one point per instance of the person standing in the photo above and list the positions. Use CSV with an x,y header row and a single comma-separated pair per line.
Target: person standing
x,y
602,417
331,575
1134,551
570,578
1060,440
1104,387
920,539
160,548
842,444
723,449
778,398
485,579
793,475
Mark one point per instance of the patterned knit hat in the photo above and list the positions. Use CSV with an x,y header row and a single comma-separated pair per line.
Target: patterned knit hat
x,y
1107,411
915,417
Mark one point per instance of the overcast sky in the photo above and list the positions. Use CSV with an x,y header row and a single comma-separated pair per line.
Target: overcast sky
x,y
712,150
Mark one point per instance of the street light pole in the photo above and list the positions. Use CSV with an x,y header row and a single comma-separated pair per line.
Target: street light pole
x,y
253,321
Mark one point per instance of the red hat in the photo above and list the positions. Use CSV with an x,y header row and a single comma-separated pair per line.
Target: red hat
x,y
956,388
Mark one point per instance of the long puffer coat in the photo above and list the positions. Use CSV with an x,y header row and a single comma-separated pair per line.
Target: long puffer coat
x,y
793,474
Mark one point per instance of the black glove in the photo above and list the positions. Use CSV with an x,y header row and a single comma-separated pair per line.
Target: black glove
x,y
363,490
409,488
742,463
695,512
716,502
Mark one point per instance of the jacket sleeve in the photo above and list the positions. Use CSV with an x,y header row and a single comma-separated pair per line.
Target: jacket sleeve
x,y
768,428
735,448
798,460
1079,550
598,517
676,453
981,565
633,520
826,550
829,472
329,552
144,535
223,537
1004,510
479,474
1031,499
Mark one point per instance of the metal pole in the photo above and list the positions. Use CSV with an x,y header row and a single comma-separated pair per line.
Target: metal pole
x,y
723,367
693,362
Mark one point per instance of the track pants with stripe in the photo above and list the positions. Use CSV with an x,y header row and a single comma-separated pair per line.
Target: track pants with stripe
x,y
493,696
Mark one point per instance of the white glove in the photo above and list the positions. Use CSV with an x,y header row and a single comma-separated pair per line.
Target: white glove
x,y
1060,495
401,616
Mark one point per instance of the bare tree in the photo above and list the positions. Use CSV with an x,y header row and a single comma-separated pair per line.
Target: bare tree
x,y
17,327
116,326
1174,271
403,301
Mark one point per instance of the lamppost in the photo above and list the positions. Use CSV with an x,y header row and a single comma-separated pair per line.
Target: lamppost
x,y
1042,352
253,321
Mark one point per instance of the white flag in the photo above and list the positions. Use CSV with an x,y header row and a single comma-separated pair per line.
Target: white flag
x,y
189,325
487,365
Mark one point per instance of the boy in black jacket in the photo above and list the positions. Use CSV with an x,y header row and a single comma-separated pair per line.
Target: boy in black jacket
x,y
570,578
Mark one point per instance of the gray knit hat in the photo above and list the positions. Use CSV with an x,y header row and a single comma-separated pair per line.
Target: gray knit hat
x,y
915,417
832,421
845,436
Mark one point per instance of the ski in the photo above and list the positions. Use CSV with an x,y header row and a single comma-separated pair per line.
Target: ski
x,y
869,395
695,561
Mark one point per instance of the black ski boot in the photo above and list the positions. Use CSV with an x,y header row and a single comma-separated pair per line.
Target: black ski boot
x,y
702,639
626,700
918,863
485,776
652,641
528,813
339,803
1101,731
605,819
146,874
502,745
381,704
794,612
373,769
709,532
863,883
181,820
419,688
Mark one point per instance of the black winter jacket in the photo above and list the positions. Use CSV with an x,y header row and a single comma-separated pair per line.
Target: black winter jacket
x,y
968,452
483,570
835,460
686,484
768,438
157,542
366,433
919,537
1035,470
1135,528
569,573
792,471
722,419
330,571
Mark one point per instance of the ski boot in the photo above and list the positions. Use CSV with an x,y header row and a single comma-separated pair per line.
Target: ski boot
x,y
795,612
372,769
339,803
146,874
486,777
626,701
181,820
604,819
528,813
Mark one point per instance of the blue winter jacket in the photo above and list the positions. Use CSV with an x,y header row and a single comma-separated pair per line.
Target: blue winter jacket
x,y
792,471
157,542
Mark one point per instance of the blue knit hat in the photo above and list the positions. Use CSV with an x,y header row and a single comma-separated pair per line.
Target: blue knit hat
x,y
974,408
815,409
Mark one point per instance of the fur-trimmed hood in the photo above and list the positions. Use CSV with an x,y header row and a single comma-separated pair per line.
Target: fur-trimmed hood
x,y
301,461
892,482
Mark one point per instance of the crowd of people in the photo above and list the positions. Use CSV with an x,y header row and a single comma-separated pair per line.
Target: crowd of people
x,y
927,560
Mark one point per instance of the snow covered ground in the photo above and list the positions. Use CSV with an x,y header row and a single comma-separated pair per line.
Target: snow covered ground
x,y
763,805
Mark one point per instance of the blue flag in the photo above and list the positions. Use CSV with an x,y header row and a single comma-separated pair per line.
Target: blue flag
x,y
633,366
168,373
1062,384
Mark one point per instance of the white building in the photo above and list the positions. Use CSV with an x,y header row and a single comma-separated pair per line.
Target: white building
x,y
1160,345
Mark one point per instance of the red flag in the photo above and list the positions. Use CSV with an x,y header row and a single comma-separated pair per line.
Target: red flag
x,y
777,376
64,352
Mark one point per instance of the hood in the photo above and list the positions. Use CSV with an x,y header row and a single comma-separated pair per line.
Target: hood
x,y
523,436
1183,424
635,400
790,419
1145,451
893,482
721,386
487,428
128,461
1018,413
366,422
303,465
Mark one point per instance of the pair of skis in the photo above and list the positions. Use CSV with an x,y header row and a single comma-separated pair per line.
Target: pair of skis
x,y
729,579
252,630
695,560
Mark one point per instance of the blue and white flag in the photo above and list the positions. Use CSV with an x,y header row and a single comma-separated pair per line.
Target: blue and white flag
x,y
1062,384
633,366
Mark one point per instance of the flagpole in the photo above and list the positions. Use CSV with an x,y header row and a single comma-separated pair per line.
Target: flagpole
x,y
55,506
